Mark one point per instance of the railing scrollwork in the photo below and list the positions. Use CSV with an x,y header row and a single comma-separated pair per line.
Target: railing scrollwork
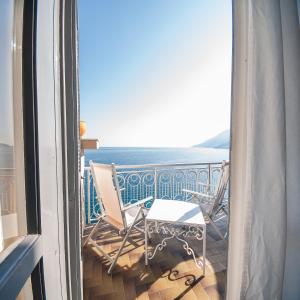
x,y
162,181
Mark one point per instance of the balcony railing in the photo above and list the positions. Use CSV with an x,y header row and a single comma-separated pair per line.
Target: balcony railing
x,y
164,181
7,191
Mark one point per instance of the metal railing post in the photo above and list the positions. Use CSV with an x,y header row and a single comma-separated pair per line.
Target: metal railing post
x,y
155,183
89,196
91,202
209,179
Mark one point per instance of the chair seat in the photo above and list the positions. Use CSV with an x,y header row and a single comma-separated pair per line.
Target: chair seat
x,y
130,214
175,211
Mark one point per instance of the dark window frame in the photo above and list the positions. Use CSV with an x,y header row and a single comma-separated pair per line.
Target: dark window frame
x,y
70,143
25,258
20,263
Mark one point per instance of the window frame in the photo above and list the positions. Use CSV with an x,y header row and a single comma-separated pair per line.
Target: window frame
x,y
24,258
70,143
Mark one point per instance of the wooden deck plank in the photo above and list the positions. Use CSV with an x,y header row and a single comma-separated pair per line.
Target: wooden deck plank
x,y
172,274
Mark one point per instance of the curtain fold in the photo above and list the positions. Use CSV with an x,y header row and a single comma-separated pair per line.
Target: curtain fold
x,y
263,260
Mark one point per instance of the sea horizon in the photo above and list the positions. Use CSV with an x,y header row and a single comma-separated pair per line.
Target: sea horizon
x,y
155,155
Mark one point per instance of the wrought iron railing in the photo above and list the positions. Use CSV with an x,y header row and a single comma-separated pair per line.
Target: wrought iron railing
x,y
164,181
7,191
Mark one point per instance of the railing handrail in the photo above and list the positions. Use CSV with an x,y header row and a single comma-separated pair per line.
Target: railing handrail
x,y
152,166
156,186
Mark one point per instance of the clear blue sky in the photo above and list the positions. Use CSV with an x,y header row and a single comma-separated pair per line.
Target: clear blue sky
x,y
155,72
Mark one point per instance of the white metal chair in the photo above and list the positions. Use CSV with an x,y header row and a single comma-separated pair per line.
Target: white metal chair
x,y
122,217
212,205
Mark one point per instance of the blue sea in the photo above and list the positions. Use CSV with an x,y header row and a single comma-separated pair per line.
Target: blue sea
x,y
139,185
138,156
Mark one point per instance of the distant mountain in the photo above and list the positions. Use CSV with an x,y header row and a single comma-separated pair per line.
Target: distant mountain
x,y
5,147
222,140
6,156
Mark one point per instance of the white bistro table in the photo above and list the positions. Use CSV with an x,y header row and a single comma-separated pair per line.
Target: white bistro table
x,y
175,219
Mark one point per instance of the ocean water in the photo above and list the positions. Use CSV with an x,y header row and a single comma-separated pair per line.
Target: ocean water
x,y
137,156
139,185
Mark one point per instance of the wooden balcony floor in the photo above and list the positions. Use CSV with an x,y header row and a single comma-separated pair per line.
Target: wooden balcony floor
x,y
172,274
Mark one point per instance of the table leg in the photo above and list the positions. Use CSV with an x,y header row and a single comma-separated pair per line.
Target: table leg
x,y
204,249
146,243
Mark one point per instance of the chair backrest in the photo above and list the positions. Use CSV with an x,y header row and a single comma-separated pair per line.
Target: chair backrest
x,y
107,190
221,186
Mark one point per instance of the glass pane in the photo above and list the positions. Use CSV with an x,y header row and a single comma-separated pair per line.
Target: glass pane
x,y
26,292
12,188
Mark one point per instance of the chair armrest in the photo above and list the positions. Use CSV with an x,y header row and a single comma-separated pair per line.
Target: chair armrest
x,y
122,189
206,184
138,203
198,194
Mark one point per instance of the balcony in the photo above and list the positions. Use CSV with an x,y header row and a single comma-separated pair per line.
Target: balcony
x,y
172,274
7,191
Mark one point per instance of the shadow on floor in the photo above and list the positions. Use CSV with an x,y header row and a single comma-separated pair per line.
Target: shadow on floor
x,y
172,274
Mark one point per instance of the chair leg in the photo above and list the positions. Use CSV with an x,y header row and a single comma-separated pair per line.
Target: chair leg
x,y
206,215
92,232
218,210
225,211
216,228
123,243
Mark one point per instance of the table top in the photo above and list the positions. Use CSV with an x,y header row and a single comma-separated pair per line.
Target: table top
x,y
175,211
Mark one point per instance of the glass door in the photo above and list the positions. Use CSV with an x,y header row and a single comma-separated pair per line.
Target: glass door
x,y
12,181
20,244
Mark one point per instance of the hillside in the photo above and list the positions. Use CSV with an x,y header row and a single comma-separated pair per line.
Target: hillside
x,y
222,141
6,156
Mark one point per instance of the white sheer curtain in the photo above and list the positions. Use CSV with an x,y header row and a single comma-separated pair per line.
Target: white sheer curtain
x,y
264,241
